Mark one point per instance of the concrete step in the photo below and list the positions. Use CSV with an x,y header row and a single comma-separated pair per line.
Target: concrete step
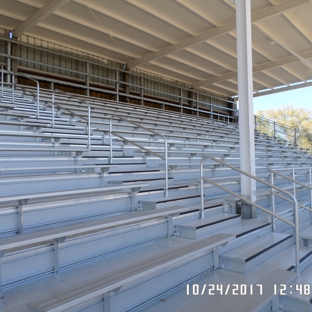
x,y
212,224
250,255
165,202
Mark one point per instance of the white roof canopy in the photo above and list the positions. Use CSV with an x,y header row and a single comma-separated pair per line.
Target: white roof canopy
x,y
188,40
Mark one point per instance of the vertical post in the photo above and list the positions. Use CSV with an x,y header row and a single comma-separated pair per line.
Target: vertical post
x,y
310,184
141,91
202,195
2,77
87,78
38,99
106,302
89,128
53,110
255,122
166,167
274,130
117,85
111,141
197,106
295,137
181,101
273,202
8,61
13,88
297,238
245,96
294,183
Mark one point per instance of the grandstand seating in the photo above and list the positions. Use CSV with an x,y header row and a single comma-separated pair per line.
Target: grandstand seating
x,y
86,225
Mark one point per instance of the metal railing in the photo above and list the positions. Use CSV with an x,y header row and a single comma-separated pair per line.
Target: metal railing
x,y
295,182
244,199
138,145
14,74
88,78
2,78
277,130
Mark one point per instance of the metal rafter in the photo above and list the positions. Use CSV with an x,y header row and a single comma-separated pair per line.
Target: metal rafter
x,y
217,31
161,17
92,26
258,68
284,46
39,16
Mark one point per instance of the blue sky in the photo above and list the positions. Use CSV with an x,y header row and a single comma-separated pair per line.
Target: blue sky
x,y
298,98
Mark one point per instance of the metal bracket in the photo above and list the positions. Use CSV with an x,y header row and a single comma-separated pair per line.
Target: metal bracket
x,y
56,252
216,261
170,228
21,203
134,190
106,302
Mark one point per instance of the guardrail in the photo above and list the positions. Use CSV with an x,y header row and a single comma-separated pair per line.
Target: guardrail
x,y
280,131
113,80
244,199
294,181
138,145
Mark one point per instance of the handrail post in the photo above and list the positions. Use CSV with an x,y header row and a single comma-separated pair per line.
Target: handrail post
x,y
38,98
310,183
166,167
202,195
53,112
296,236
111,141
2,77
89,128
294,183
273,202
295,212
13,88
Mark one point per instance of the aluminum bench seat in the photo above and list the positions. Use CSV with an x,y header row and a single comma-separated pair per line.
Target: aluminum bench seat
x,y
25,239
104,168
142,268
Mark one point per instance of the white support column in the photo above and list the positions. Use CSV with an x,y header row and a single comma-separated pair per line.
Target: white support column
x,y
245,97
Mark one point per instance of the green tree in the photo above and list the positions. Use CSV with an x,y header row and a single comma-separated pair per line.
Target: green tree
x,y
286,120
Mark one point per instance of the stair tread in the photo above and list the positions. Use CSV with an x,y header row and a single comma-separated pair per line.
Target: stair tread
x,y
172,198
246,251
208,221
307,233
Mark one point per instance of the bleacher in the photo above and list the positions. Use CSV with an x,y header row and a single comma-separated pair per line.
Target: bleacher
x,y
101,204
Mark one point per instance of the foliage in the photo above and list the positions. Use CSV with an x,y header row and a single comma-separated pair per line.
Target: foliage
x,y
286,120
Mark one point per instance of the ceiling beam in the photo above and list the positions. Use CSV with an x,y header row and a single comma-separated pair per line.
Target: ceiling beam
x,y
266,33
217,31
288,88
258,68
39,16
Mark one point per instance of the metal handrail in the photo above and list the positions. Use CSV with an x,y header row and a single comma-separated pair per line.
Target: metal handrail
x,y
146,129
295,182
2,78
273,214
74,114
30,78
226,109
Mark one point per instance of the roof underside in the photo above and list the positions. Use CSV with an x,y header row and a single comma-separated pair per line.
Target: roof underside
x,y
193,41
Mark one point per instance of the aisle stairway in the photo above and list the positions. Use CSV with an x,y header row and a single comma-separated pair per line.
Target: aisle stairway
x,y
86,225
